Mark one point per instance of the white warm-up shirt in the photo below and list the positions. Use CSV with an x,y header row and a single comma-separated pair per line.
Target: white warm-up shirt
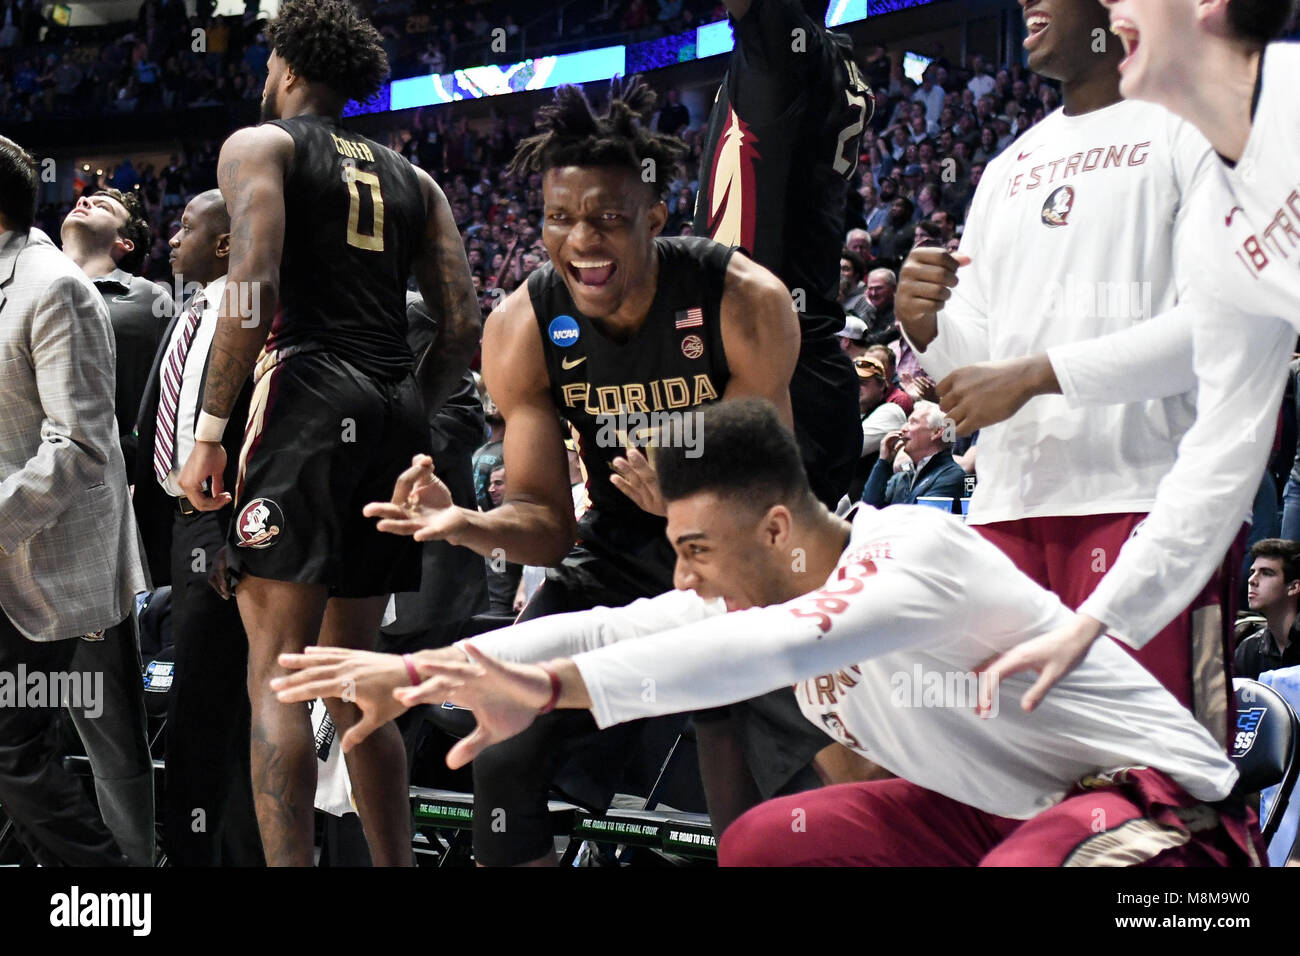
x,y
916,602
1072,235
1242,250
1249,243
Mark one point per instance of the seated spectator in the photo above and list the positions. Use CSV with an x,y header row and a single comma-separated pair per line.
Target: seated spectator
x,y
851,337
853,291
894,393
1273,591
879,415
924,439
859,242
881,285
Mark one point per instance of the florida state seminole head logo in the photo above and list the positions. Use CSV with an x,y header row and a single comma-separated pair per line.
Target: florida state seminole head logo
x,y
1056,211
258,523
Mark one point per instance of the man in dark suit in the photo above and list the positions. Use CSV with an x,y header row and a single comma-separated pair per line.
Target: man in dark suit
x,y
927,440
208,817
107,236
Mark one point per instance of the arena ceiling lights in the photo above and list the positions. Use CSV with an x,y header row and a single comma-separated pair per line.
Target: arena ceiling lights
x,y
587,66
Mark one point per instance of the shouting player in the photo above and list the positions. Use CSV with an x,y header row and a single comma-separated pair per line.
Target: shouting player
x,y
1211,62
908,602
326,226
621,333
1062,488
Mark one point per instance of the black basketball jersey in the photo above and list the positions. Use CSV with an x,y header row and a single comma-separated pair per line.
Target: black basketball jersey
x,y
782,144
643,390
354,217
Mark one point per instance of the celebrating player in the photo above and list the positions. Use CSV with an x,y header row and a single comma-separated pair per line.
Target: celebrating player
x,y
326,226
883,653
620,333
1210,61
1045,208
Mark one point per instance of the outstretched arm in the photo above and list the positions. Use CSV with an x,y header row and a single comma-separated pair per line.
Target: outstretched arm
x,y
535,524
1200,505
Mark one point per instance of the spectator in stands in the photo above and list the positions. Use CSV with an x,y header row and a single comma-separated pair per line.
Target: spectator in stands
x,y
947,226
879,415
502,576
674,116
858,241
898,233
851,336
980,83
894,391
881,285
927,233
930,95
933,473
853,290
877,220
1273,590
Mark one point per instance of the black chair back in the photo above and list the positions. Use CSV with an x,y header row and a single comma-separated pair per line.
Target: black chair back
x,y
1264,746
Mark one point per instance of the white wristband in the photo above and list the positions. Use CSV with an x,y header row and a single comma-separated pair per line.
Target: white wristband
x,y
209,427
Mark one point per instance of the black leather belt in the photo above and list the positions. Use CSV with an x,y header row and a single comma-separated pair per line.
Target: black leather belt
x,y
184,507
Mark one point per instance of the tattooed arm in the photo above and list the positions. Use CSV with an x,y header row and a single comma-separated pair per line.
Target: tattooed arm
x,y
251,174
442,272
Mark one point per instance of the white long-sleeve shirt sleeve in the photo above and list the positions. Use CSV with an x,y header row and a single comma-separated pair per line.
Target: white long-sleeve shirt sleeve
x,y
744,654
1241,366
564,635
1150,360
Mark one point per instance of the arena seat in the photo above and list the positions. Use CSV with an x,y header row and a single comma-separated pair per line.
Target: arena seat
x,y
1264,747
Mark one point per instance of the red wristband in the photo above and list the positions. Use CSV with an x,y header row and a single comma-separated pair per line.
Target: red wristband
x,y
555,690
411,672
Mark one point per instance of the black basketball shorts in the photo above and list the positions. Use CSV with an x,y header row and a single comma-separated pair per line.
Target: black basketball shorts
x,y
324,439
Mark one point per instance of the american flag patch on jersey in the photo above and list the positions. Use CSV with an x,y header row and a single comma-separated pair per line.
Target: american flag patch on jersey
x,y
690,318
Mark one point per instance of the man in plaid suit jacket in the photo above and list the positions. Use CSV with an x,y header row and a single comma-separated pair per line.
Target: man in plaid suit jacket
x,y
69,560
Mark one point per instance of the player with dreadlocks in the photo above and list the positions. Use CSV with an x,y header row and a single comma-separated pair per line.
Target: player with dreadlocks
x,y
326,228
621,330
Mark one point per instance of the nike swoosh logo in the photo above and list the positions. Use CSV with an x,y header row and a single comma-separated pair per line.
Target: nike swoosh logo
x,y
1027,155
566,364
1232,213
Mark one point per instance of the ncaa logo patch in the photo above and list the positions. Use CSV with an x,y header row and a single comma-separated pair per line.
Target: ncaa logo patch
x,y
692,346
563,331
1248,722
1056,211
258,523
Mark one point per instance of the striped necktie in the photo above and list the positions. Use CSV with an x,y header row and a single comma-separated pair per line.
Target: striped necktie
x,y
173,369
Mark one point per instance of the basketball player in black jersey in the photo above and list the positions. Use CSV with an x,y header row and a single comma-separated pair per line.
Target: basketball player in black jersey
x,y
619,324
781,146
326,227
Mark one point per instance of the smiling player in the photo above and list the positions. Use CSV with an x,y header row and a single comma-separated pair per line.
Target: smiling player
x,y
1211,62
620,322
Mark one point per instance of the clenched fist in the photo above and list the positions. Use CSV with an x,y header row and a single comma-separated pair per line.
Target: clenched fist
x,y
925,283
